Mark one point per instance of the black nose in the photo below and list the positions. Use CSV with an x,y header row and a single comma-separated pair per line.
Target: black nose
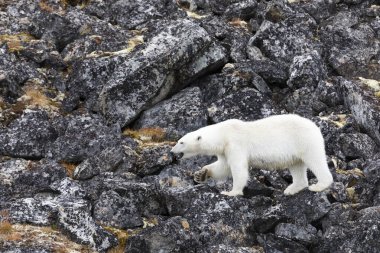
x,y
176,156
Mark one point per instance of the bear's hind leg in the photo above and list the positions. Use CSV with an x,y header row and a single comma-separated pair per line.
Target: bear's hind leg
x,y
321,171
300,182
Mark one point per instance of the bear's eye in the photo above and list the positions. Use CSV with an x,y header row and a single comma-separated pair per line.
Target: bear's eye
x,y
199,137
181,143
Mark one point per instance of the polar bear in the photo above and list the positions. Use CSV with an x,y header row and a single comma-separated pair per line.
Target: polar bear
x,y
276,142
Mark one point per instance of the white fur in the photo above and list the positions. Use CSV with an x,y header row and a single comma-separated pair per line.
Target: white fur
x,y
276,142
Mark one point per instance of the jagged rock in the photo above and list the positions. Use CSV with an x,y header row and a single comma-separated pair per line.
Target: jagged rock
x,y
219,218
319,9
182,113
351,45
357,145
304,207
272,243
244,10
329,93
304,102
306,70
33,210
363,106
13,73
246,104
84,137
222,248
148,77
37,177
144,196
107,160
68,210
132,15
269,70
112,210
303,234
153,158
29,136
358,236
282,41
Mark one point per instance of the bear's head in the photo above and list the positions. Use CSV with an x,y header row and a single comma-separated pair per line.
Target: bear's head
x,y
204,141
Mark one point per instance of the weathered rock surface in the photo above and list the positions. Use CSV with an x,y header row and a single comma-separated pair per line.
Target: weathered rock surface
x,y
93,94
29,136
183,113
125,95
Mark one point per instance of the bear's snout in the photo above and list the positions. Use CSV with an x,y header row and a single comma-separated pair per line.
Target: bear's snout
x,y
177,156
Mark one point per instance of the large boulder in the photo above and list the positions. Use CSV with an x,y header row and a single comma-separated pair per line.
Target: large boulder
x,y
151,74
183,113
29,136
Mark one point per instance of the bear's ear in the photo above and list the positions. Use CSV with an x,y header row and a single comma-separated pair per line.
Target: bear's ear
x,y
199,137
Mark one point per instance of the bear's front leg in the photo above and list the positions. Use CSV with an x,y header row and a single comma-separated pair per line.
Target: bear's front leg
x,y
240,173
201,175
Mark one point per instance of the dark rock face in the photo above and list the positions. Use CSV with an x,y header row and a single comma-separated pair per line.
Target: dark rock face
x,y
125,95
178,115
84,137
93,95
29,136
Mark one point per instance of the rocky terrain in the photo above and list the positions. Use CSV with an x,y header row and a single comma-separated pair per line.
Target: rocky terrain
x,y
94,93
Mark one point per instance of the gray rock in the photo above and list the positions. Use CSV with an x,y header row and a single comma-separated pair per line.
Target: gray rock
x,y
153,158
246,104
13,73
244,10
362,104
126,94
29,136
304,234
182,113
113,210
84,137
318,9
270,71
107,160
304,207
351,45
132,15
33,210
306,70
358,236
272,243
68,210
357,145
75,219
282,41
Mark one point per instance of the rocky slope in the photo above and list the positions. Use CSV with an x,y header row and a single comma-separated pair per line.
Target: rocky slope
x,y
94,92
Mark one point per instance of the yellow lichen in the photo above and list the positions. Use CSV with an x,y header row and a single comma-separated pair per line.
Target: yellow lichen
x,y
195,15
355,172
69,167
185,224
341,122
34,97
373,84
237,22
15,42
5,227
146,134
151,222
121,235
132,44
352,195
45,237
